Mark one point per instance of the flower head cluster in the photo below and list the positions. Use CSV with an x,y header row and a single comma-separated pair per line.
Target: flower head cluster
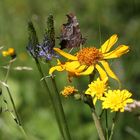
x,y
116,100
10,52
90,58
69,90
85,61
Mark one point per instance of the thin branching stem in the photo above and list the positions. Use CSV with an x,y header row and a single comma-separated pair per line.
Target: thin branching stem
x,y
113,125
14,107
8,70
106,122
12,100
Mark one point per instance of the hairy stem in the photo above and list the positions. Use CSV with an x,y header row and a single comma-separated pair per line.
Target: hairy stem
x,y
97,124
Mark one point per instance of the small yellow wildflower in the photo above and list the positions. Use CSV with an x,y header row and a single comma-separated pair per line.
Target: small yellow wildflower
x,y
88,59
9,52
97,89
116,100
4,53
68,90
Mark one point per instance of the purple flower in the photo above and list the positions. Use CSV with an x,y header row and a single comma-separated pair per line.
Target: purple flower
x,y
42,50
46,51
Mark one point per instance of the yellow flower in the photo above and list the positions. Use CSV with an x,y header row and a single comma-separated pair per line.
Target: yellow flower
x,y
9,52
116,100
97,89
5,53
69,90
88,59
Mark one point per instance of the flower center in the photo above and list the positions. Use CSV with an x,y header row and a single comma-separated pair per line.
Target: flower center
x,y
89,56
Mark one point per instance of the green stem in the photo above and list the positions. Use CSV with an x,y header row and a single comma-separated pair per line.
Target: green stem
x,y
51,98
95,117
101,113
14,107
12,100
62,114
106,122
113,125
8,71
97,124
23,132
91,77
60,108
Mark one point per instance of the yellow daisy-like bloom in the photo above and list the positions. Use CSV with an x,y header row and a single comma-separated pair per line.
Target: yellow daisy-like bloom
x,y
88,59
116,100
68,90
97,89
9,52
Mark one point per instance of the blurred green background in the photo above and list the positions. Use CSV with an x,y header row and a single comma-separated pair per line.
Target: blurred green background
x,y
96,18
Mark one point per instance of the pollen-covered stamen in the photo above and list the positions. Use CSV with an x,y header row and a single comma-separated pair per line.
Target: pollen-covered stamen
x,y
89,56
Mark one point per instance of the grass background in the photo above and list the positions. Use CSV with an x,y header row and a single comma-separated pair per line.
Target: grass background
x,y
96,17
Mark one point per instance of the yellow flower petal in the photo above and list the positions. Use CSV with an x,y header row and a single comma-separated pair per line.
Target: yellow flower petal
x,y
11,51
67,55
58,68
130,100
88,71
102,73
71,66
81,68
109,71
94,100
109,43
5,53
58,62
120,50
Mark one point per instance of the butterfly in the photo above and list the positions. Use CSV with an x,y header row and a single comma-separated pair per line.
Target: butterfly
x,y
70,36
